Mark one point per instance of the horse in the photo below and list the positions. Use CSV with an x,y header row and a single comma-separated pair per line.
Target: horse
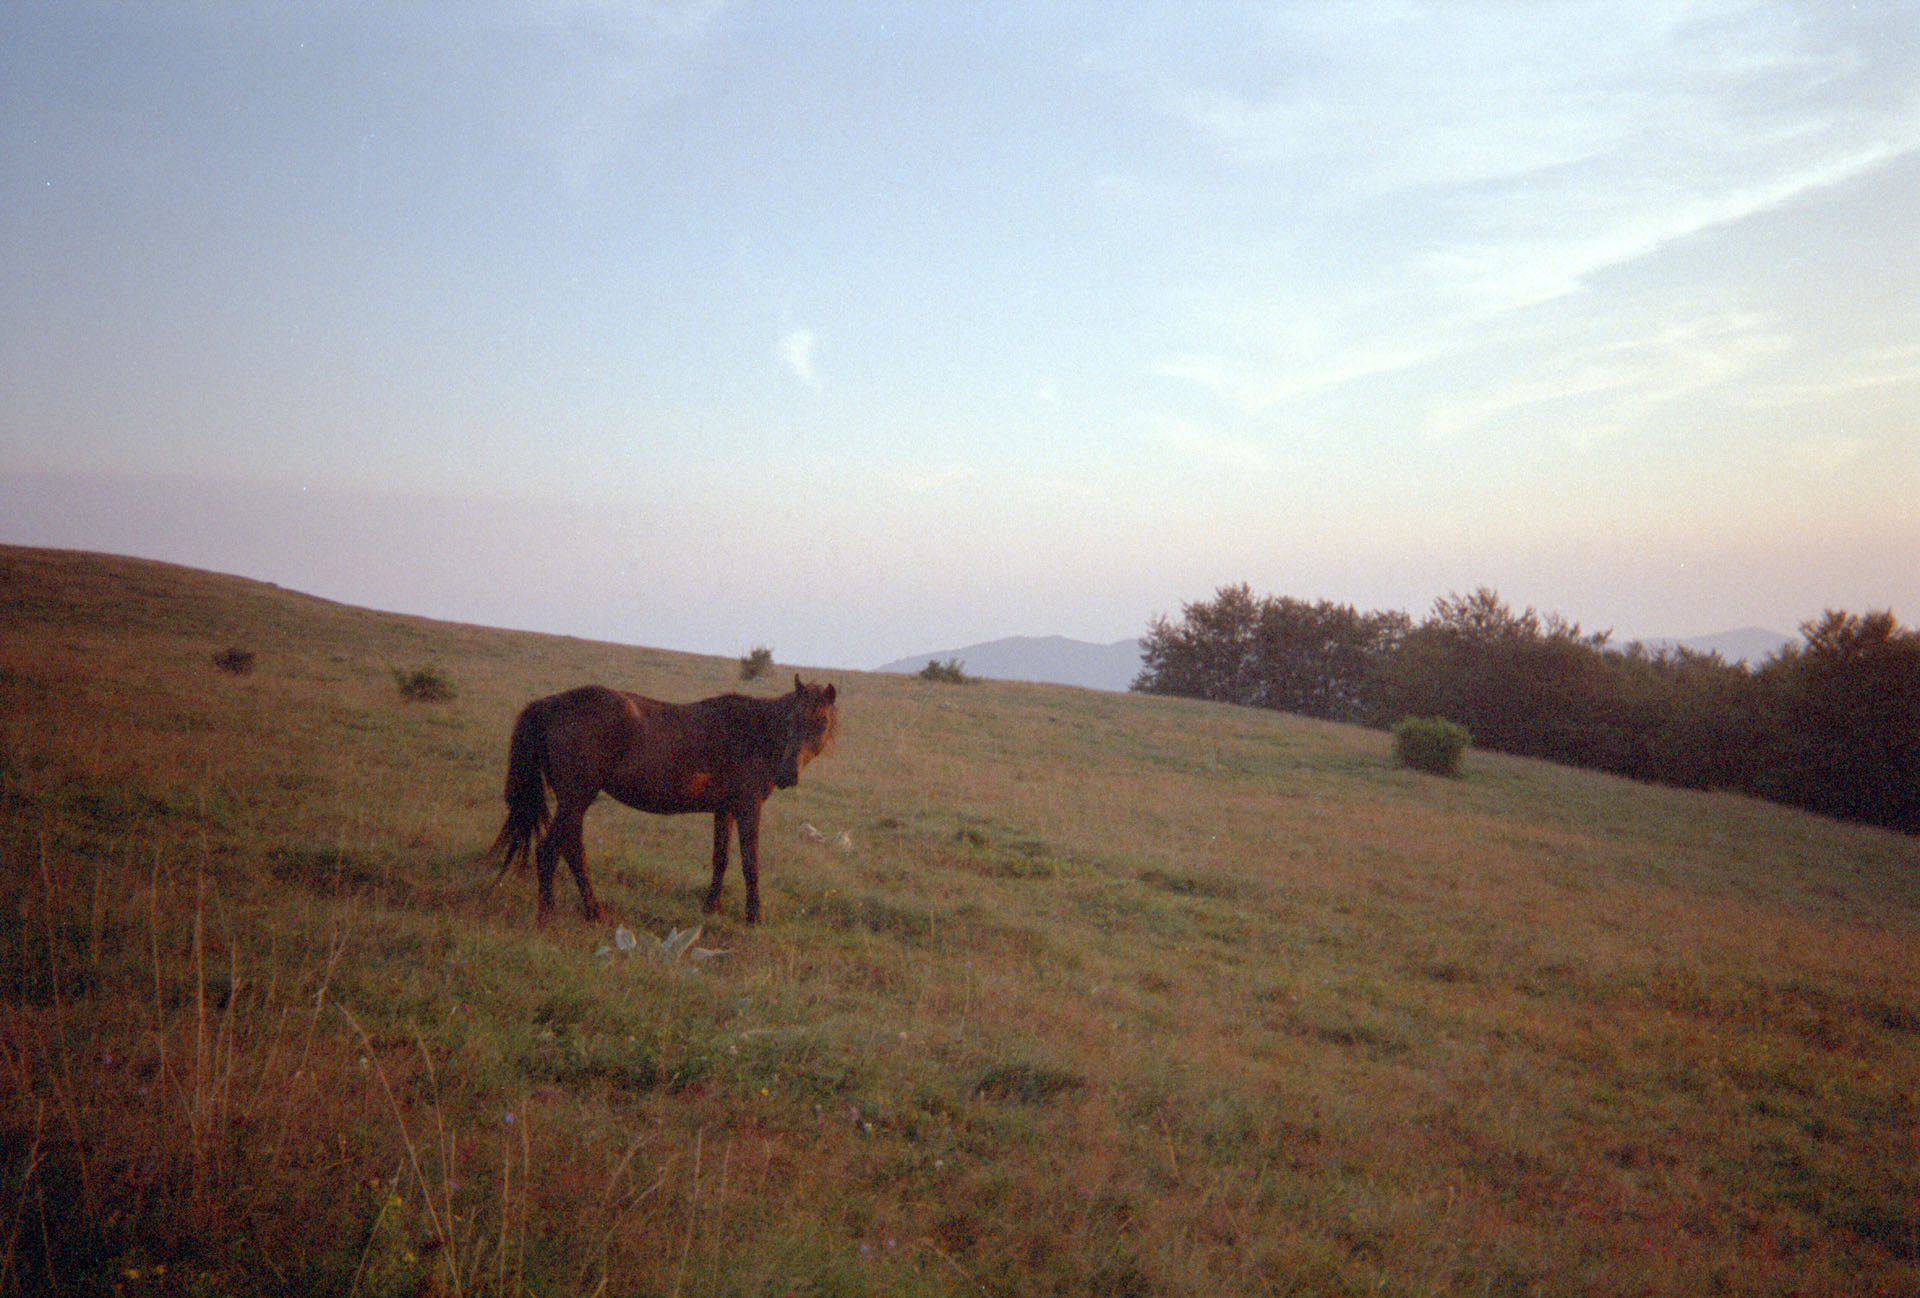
x,y
724,755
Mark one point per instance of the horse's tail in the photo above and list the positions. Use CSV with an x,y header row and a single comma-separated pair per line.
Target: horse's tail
x,y
526,793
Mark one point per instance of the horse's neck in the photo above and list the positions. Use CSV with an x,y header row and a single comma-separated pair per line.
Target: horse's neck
x,y
763,719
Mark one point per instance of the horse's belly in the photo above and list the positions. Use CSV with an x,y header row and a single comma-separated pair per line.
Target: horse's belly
x,y
670,795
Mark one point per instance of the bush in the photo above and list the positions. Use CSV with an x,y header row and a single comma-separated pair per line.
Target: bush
x,y
948,672
425,684
1430,744
1286,654
756,664
235,660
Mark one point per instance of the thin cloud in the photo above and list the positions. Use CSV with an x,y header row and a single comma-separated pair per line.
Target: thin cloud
x,y
1436,175
1541,144
798,350
1254,382
609,64
1616,380
1889,369
1503,273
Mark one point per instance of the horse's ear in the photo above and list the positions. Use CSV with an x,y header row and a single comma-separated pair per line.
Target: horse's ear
x,y
797,686
830,694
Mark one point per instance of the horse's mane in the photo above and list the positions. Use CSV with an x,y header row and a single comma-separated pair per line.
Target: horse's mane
x,y
831,733
766,718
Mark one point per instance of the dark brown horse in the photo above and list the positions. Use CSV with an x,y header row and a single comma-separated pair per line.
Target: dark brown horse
x,y
725,755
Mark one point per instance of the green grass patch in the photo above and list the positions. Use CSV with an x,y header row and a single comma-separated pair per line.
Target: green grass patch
x,y
1064,993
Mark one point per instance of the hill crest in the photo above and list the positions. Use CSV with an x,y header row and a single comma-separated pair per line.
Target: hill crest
x,y
1061,660
1052,660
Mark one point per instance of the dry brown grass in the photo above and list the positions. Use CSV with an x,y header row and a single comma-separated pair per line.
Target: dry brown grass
x,y
1105,995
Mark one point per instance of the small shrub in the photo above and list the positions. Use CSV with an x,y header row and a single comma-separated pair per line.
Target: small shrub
x,y
428,683
756,664
235,661
1430,744
947,673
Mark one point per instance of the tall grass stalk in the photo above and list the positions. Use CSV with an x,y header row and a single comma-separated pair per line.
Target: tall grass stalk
x,y
61,1056
438,1214
197,1109
29,1175
505,1248
611,1209
693,1212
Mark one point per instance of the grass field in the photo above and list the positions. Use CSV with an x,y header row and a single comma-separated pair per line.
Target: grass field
x,y
1100,995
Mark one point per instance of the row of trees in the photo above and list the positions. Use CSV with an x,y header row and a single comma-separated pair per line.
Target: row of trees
x,y
1832,724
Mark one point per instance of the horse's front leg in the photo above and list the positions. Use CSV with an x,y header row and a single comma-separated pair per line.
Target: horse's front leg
x,y
750,859
722,827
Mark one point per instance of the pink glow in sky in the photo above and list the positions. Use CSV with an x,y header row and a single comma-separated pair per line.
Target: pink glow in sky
x,y
859,330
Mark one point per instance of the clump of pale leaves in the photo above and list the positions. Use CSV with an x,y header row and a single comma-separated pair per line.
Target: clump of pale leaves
x,y
843,844
676,947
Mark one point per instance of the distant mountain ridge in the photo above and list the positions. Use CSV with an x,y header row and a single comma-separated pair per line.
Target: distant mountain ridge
x,y
1750,644
1052,659
1058,660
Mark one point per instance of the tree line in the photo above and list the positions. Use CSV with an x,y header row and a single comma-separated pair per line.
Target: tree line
x,y
1831,724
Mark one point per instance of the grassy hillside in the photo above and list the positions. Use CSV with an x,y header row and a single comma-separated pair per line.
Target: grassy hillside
x,y
1101,995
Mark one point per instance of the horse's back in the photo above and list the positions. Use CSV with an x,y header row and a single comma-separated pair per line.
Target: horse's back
x,y
616,726
585,701
587,731
603,708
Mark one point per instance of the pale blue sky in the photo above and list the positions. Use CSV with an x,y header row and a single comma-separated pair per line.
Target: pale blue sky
x,y
861,330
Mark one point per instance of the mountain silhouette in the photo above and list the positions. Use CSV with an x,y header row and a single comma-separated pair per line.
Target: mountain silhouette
x,y
1058,660
1053,659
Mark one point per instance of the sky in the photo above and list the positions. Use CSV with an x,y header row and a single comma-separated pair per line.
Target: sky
x,y
862,330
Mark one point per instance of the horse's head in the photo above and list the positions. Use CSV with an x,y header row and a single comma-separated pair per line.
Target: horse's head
x,y
811,727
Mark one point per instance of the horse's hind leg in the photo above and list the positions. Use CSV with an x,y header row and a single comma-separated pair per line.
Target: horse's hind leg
x,y
722,828
575,850
543,870
565,839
